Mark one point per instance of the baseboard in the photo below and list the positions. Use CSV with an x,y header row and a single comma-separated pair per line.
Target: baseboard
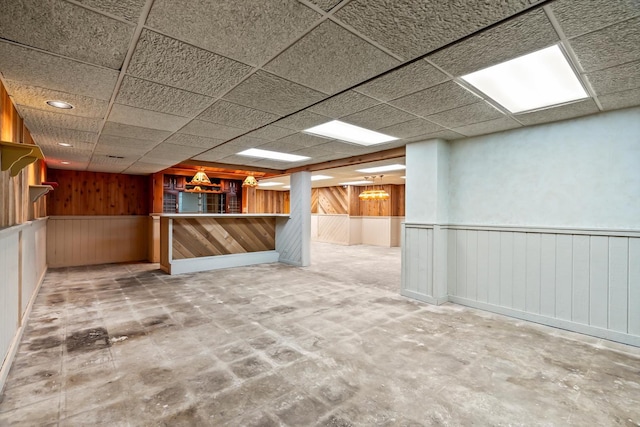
x,y
424,298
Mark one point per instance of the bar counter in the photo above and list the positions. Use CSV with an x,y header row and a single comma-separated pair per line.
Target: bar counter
x,y
200,242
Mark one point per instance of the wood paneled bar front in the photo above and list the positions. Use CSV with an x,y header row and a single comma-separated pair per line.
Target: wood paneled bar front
x,y
200,242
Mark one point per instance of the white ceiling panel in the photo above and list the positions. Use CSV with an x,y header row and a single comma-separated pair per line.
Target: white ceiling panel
x,y
146,118
346,103
38,121
438,98
137,132
234,115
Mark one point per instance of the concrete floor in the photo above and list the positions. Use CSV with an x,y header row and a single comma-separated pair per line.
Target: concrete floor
x,y
273,345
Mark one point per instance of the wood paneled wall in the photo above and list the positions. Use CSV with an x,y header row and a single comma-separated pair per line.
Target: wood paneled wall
x,y
98,193
271,201
394,206
330,200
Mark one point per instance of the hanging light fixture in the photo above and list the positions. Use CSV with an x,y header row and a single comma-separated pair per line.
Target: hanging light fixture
x,y
250,181
374,194
200,178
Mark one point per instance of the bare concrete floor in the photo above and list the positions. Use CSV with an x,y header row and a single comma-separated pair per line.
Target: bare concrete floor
x,y
274,345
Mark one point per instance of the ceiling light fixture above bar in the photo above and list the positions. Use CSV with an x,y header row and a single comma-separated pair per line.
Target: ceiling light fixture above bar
x,y
269,184
530,82
273,155
320,177
387,168
336,129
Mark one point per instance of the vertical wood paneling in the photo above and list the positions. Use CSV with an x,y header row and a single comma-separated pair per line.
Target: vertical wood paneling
x,y
418,259
461,262
548,274
519,271
9,288
532,303
598,281
472,264
483,265
411,259
564,276
271,201
506,269
618,283
634,286
452,269
580,295
493,296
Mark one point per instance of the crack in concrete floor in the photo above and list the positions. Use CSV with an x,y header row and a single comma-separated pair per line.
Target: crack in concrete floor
x,y
332,344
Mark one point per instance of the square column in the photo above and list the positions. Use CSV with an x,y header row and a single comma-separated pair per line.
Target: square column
x,y
293,237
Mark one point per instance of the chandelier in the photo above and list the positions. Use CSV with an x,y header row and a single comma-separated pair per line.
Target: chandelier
x,y
374,194
250,181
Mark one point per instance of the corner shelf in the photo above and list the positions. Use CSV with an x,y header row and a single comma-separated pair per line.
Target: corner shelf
x,y
37,191
16,156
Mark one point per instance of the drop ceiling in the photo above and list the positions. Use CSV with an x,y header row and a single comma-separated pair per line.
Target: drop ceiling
x,y
159,82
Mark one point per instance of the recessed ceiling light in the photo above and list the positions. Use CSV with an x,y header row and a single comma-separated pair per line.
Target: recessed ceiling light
x,y
356,182
269,184
350,133
536,80
65,163
387,168
60,104
64,144
320,177
274,155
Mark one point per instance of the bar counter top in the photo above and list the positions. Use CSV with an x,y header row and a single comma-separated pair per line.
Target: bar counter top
x,y
209,215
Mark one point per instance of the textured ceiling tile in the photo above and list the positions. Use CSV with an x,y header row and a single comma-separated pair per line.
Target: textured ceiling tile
x,y
408,79
302,120
119,150
113,160
379,116
39,121
239,116
610,46
146,118
173,63
325,5
577,109
66,29
514,38
577,17
294,142
119,141
36,97
615,79
414,27
629,98
167,150
165,99
162,161
70,153
271,133
343,148
193,140
141,168
108,168
343,104
70,136
250,31
33,68
127,9
128,131
411,128
211,130
267,92
317,151
243,142
212,155
47,140
445,96
447,135
497,125
330,59
474,113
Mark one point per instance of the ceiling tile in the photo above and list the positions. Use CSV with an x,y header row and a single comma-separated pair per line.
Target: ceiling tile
x,y
271,132
411,128
120,150
615,79
239,116
411,28
461,116
146,118
302,120
107,168
70,136
119,141
442,97
330,59
314,152
242,143
165,99
294,142
211,130
568,111
143,168
34,68
36,97
127,9
343,104
343,148
66,29
577,18
193,140
490,126
47,140
447,135
610,46
403,81
267,92
113,160
629,98
325,5
519,36
167,150
137,132
173,63
67,153
210,156
378,116
38,121
162,161
250,31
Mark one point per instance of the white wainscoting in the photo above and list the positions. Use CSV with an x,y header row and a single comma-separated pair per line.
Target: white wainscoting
x,y
22,268
357,230
89,240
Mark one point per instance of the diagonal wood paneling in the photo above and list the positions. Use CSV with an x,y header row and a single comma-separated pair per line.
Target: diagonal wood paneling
x,y
332,200
201,237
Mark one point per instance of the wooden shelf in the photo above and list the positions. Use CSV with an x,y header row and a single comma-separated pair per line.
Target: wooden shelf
x,y
37,191
16,156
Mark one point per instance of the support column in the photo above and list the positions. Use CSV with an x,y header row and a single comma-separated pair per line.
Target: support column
x,y
293,236
424,245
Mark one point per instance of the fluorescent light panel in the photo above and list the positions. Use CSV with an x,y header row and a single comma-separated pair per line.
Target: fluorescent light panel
x,y
536,80
269,184
320,177
274,155
387,168
350,133
356,183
